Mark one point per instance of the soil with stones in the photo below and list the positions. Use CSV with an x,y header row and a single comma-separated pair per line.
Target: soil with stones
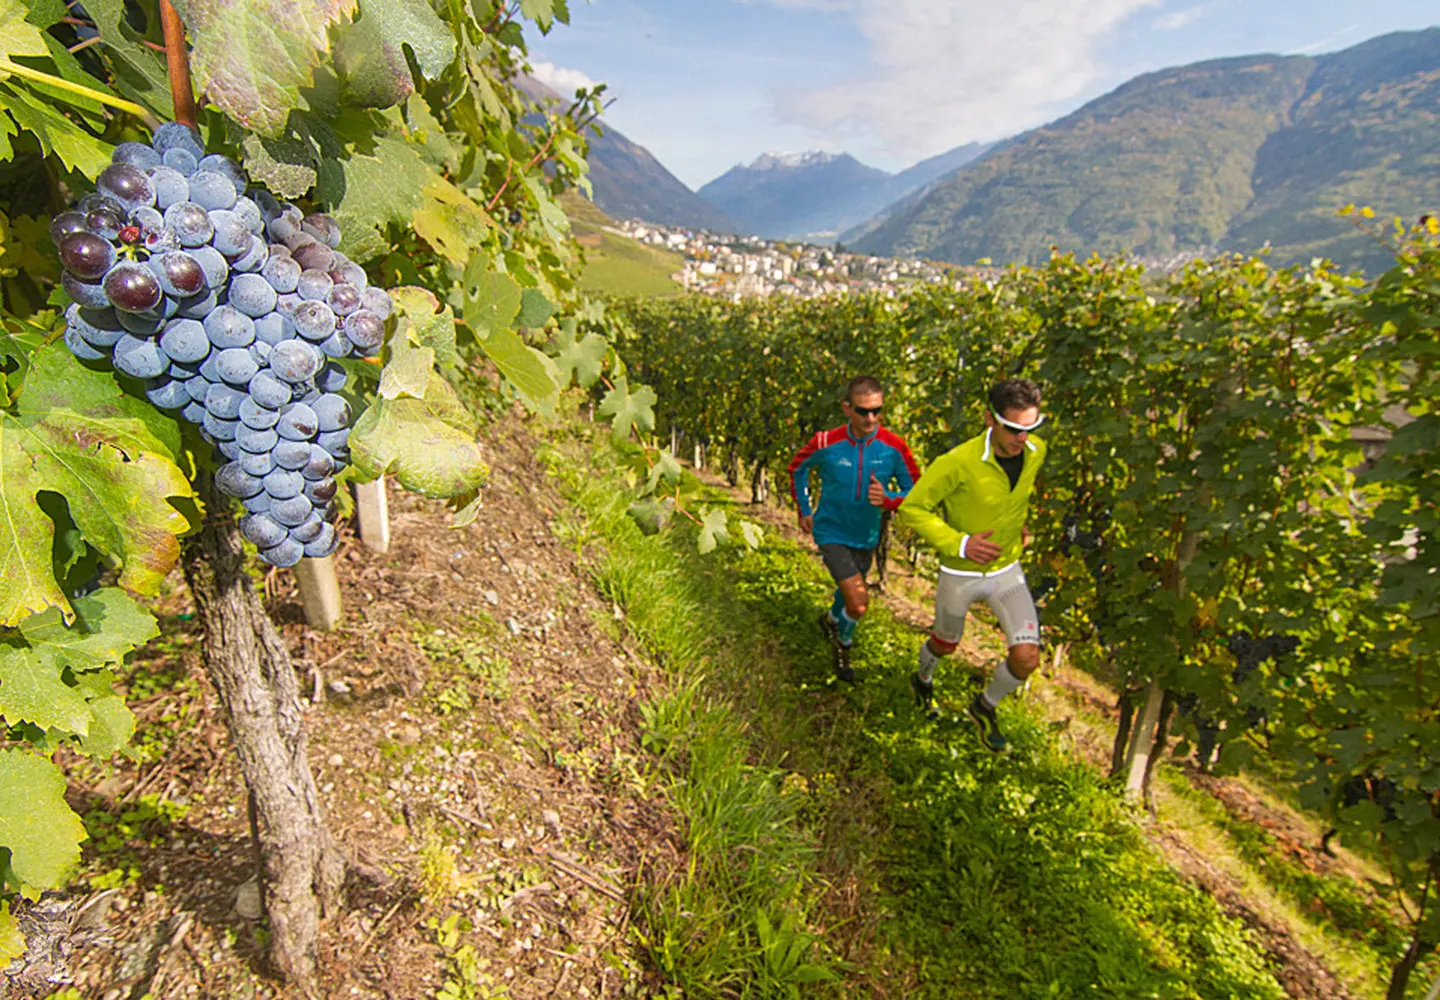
x,y
473,730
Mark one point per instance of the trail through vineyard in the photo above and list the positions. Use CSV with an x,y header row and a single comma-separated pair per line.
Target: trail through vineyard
x,y
478,733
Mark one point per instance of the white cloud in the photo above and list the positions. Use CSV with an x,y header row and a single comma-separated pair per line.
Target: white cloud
x,y
560,79
1177,19
944,72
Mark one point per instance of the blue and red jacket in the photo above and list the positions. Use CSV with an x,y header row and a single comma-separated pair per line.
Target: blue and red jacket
x,y
845,464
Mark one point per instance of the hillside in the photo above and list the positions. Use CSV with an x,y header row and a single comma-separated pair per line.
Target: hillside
x,y
629,183
614,263
1230,153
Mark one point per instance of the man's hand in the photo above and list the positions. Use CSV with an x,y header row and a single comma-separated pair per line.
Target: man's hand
x,y
979,548
807,523
877,493
1025,538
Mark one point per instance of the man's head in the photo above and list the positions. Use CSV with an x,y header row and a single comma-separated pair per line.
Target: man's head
x,y
1014,412
863,400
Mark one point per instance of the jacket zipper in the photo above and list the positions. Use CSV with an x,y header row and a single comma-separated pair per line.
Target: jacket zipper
x,y
860,471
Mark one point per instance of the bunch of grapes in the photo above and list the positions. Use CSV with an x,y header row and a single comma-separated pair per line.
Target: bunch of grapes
x,y
232,308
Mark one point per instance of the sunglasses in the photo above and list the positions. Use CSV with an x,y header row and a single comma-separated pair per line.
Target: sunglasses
x,y
866,411
1012,425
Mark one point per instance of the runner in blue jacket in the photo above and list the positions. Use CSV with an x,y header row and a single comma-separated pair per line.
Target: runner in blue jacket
x,y
857,462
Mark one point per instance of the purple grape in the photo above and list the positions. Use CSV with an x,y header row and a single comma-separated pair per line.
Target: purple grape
x,y
292,455
214,191
141,324
194,413
104,223
235,365
262,531
260,503
293,361
168,394
253,258
250,213
132,288
180,274
365,330
324,544
352,273
331,378
323,228
309,529
314,320
190,222
170,186
79,348
314,256
66,223
219,428
269,391
252,440
228,327
136,154
224,402
91,296
140,357
273,328
314,285
126,184
183,162
229,449
227,168
337,443
332,412
175,135
97,327
257,464
292,510
321,490
282,273
159,241
255,416
298,422
282,484
286,554
231,237
320,465
147,218
86,255
252,294
234,481
198,306
196,386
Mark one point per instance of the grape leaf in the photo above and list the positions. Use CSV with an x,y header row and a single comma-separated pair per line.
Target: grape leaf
x,y
77,149
370,51
426,131
581,359
752,534
450,221
535,309
665,468
367,192
525,368
12,942
71,434
18,37
286,164
33,690
651,515
42,834
628,409
546,12
140,72
430,325
407,439
252,57
111,726
491,299
712,531
407,373
108,625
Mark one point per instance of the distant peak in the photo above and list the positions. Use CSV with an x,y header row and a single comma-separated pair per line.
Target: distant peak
x,y
775,161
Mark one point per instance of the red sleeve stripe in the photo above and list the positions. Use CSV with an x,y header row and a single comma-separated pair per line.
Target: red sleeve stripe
x,y
898,443
822,439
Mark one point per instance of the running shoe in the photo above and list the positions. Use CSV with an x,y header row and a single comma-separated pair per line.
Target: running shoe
x,y
829,628
924,694
842,664
987,725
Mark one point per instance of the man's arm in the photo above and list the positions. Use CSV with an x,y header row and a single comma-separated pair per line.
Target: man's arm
x,y
799,472
918,510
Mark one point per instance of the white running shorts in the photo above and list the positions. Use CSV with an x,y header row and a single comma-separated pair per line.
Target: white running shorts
x,y
1006,592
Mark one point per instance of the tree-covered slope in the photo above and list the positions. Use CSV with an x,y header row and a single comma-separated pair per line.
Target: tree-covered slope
x,y
1228,153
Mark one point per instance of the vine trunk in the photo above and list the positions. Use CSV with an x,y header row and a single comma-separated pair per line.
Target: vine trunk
x,y
250,667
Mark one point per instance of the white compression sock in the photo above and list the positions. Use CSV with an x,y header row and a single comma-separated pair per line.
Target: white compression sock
x,y
1002,684
929,660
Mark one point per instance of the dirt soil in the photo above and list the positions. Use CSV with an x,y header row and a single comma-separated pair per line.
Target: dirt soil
x,y
473,731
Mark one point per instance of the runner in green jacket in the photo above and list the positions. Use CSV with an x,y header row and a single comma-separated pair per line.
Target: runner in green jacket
x,y
970,506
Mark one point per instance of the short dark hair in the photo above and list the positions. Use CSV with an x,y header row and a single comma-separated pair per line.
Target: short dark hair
x,y
1014,394
863,384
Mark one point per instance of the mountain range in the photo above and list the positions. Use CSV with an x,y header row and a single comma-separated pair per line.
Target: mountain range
x,y
816,195
1228,154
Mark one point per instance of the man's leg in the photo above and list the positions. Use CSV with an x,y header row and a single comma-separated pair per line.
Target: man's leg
x,y
1015,609
851,598
953,595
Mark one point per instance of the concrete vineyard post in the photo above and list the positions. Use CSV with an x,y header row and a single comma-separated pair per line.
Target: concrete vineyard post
x,y
319,592
372,514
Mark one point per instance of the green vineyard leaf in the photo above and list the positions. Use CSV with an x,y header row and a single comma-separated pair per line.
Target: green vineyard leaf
x,y
665,469
450,221
407,373
752,533
712,531
370,51
18,37
139,71
628,409
38,829
546,12
583,360
491,299
33,689
430,325
251,58
12,942
529,371
652,516
111,727
72,435
535,309
76,148
366,192
408,439
287,164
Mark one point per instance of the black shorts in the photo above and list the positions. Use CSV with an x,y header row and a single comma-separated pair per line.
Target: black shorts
x,y
843,562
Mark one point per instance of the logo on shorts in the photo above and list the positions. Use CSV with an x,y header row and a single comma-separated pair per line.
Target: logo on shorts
x,y
1031,627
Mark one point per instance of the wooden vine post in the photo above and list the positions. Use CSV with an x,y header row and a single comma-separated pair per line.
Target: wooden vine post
x,y
247,661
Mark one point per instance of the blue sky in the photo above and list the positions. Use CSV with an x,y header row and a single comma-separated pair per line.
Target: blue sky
x,y
706,84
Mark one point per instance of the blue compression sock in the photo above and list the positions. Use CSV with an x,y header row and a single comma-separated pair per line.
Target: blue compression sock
x,y
837,607
847,628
